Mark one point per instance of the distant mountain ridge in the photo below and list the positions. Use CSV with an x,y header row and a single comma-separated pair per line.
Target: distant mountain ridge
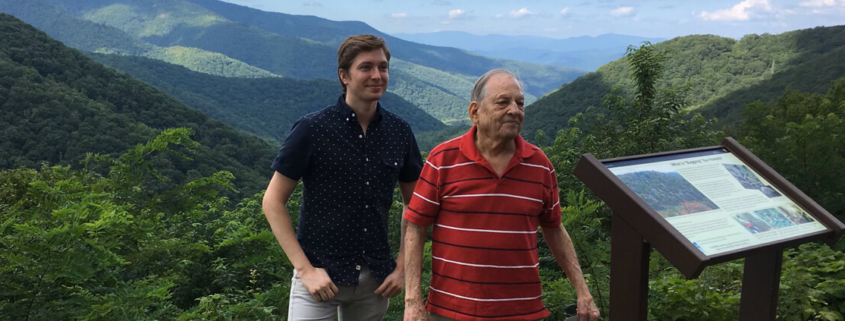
x,y
583,52
723,74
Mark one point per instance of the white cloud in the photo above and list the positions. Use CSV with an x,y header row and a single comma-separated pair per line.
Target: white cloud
x,y
822,3
622,11
564,11
522,13
457,13
740,12
312,4
399,15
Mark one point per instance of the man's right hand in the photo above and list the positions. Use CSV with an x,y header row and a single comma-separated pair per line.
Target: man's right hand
x,y
415,311
318,283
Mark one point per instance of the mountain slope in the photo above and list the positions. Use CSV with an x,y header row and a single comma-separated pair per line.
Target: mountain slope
x,y
88,36
267,107
56,105
714,67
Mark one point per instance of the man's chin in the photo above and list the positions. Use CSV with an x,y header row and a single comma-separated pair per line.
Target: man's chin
x,y
509,134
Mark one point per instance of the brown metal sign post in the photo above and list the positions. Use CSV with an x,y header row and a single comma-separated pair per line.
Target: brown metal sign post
x,y
701,207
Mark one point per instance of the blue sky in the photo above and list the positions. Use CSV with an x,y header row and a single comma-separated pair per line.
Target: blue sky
x,y
561,19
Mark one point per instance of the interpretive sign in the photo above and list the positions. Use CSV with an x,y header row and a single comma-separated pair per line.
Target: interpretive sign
x,y
701,207
715,200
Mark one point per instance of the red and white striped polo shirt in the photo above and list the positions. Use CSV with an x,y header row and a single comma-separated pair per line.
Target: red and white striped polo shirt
x,y
484,243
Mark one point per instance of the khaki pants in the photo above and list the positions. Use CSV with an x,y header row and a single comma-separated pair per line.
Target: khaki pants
x,y
351,303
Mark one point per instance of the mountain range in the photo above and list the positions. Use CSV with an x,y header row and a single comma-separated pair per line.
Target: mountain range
x,y
225,39
584,52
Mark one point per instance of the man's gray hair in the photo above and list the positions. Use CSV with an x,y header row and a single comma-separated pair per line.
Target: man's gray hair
x,y
480,88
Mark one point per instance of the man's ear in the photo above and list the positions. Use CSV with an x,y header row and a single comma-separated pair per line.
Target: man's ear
x,y
473,112
343,76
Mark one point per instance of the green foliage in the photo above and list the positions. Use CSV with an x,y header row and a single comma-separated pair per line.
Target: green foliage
x,y
800,136
646,65
678,299
83,245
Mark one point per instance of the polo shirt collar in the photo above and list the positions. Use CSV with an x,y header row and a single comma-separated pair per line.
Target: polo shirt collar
x,y
346,112
523,150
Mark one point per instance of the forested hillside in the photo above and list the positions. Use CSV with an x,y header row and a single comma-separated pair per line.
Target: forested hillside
x,y
719,75
59,105
266,106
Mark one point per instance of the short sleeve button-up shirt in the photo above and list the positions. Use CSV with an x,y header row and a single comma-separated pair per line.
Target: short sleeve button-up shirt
x,y
349,177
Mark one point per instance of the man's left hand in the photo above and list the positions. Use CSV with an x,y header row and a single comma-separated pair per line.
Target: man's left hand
x,y
587,310
392,285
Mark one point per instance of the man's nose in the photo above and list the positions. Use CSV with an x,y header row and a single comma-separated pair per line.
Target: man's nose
x,y
513,109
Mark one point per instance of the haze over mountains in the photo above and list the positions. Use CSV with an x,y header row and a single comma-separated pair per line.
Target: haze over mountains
x,y
584,52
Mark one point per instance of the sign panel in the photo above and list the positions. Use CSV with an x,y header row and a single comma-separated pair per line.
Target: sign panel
x,y
715,200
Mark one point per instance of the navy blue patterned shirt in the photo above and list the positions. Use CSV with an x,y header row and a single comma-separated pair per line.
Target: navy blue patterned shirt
x,y
348,178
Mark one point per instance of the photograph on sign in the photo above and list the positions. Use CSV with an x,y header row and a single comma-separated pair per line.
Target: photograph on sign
x,y
715,200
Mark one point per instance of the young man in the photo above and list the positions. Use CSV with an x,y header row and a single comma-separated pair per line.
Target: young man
x,y
349,157
486,193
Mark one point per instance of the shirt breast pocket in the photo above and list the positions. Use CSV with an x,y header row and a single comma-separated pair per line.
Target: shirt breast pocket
x,y
390,169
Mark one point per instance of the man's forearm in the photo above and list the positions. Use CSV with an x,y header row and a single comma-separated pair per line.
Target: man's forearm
x,y
279,220
414,245
400,259
563,250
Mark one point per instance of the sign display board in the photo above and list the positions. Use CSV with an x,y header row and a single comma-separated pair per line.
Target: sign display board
x,y
700,207
715,200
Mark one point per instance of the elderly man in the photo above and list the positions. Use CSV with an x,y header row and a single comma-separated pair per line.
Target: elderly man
x,y
485,193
